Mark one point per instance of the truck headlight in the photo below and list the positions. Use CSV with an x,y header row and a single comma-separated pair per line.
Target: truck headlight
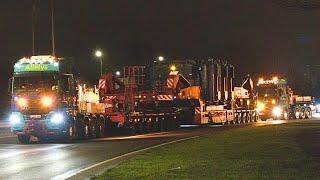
x,y
260,106
14,119
46,101
277,111
57,118
22,102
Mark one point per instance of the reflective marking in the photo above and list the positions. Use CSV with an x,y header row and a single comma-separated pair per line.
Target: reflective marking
x,y
188,125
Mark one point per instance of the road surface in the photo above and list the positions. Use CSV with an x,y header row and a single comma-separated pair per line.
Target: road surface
x,y
58,161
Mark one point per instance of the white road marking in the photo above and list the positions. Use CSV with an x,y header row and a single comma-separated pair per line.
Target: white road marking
x,y
77,171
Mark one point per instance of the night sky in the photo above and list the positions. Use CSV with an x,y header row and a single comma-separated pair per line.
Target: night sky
x,y
258,37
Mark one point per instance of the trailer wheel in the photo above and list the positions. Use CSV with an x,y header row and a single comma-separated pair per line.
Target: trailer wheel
x,y
80,126
286,115
297,113
69,133
100,127
94,126
303,115
307,114
24,139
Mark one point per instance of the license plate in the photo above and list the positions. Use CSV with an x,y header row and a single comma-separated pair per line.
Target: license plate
x,y
35,116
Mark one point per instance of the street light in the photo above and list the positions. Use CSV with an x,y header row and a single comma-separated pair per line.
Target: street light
x,y
160,58
98,54
118,73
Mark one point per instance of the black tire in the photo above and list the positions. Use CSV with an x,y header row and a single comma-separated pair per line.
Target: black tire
x,y
263,118
307,114
94,126
303,115
297,116
24,139
100,127
67,137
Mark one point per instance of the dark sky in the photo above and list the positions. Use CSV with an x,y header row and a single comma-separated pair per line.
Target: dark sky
x,y
257,36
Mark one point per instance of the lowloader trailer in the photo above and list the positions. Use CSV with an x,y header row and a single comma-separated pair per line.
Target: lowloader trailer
x,y
204,92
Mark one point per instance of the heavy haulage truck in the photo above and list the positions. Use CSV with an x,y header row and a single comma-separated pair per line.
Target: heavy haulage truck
x,y
276,101
49,101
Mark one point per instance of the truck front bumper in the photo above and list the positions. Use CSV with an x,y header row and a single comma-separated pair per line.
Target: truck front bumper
x,y
42,126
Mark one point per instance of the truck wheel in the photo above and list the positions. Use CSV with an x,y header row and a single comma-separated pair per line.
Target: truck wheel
x,y
24,139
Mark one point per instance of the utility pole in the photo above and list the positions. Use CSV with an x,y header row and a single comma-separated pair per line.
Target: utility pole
x,y
34,21
52,28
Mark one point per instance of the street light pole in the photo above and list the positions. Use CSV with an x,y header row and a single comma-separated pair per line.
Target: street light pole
x,y
100,66
99,56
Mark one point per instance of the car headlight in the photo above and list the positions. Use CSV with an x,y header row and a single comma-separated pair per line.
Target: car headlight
x,y
260,106
46,101
14,119
57,118
277,111
22,102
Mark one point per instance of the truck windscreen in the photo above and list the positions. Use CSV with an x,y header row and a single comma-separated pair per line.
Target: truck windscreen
x,y
35,82
266,91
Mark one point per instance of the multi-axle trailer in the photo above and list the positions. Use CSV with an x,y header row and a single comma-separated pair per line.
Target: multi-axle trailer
x,y
50,101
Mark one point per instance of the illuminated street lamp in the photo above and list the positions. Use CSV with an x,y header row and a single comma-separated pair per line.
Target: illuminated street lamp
x,y
99,54
118,73
160,58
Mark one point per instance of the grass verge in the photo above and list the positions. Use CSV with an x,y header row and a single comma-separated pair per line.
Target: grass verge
x,y
285,151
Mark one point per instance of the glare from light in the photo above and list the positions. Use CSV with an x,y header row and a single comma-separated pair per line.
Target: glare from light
x,y
274,122
57,118
273,101
173,68
98,53
275,79
160,58
316,115
22,102
118,73
260,81
46,101
277,111
14,119
260,106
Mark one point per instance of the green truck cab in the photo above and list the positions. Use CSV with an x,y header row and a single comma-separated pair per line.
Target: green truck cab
x,y
42,98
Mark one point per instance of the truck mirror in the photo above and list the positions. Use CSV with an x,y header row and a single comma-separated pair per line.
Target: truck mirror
x,y
10,86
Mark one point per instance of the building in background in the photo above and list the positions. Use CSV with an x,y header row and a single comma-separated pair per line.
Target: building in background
x,y
311,83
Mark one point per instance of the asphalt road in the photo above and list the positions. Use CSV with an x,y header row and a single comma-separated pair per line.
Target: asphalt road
x,y
58,161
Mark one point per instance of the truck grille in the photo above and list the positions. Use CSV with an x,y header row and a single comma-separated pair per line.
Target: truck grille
x,y
35,107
